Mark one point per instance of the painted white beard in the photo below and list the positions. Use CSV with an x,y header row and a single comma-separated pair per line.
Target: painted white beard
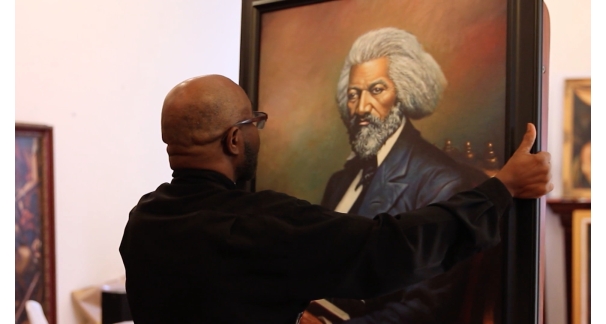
x,y
372,137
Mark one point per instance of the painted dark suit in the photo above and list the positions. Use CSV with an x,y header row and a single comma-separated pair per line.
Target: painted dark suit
x,y
414,174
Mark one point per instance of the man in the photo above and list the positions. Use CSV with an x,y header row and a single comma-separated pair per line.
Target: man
x,y
387,81
198,250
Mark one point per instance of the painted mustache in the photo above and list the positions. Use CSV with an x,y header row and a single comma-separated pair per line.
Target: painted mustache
x,y
356,121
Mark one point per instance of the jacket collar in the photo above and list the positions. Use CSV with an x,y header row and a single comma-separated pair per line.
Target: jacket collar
x,y
181,176
390,181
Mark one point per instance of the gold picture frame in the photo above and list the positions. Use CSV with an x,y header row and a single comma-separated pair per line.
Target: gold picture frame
x,y
576,166
581,266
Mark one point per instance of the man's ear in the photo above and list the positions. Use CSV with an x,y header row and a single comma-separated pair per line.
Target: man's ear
x,y
232,141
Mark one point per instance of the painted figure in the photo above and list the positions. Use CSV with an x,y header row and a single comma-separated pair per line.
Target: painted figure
x,y
386,83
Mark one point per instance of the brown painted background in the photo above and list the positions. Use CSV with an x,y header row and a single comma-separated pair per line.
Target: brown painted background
x,y
303,50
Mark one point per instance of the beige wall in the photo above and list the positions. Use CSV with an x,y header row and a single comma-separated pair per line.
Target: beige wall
x,y
570,57
98,72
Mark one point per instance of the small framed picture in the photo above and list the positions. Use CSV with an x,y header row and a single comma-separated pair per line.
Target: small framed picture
x,y
581,266
34,220
576,165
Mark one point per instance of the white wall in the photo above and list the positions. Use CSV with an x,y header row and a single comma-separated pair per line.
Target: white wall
x,y
98,71
570,57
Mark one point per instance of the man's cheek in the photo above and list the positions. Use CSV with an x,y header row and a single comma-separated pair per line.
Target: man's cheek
x,y
351,107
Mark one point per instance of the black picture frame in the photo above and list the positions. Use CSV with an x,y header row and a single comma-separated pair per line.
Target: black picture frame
x,y
526,71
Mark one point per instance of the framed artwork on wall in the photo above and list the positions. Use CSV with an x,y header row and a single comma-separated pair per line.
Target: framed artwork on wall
x,y
452,85
576,166
34,220
581,266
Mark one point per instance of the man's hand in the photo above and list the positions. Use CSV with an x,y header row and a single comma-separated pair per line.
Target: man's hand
x,y
527,175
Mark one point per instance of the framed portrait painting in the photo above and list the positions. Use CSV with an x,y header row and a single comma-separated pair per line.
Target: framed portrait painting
x,y
576,166
388,106
34,220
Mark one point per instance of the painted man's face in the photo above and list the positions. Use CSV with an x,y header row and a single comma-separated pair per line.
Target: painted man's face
x,y
370,90
374,114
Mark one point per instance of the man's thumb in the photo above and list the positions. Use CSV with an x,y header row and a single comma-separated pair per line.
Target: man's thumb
x,y
528,140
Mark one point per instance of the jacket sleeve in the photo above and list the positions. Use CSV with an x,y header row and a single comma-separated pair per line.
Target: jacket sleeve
x,y
328,254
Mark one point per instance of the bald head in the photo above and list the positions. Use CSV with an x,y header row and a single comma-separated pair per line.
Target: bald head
x,y
196,114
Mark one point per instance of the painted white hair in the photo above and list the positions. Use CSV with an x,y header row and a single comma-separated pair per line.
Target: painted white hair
x,y
417,76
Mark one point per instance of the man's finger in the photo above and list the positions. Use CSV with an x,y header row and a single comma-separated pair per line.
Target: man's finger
x,y
528,140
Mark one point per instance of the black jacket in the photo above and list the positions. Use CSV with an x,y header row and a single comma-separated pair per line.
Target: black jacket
x,y
198,250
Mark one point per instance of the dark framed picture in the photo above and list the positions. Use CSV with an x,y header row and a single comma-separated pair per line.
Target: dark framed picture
x,y
581,266
437,95
576,166
34,220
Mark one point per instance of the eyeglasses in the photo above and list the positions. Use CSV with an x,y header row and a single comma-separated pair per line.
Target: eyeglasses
x,y
258,120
